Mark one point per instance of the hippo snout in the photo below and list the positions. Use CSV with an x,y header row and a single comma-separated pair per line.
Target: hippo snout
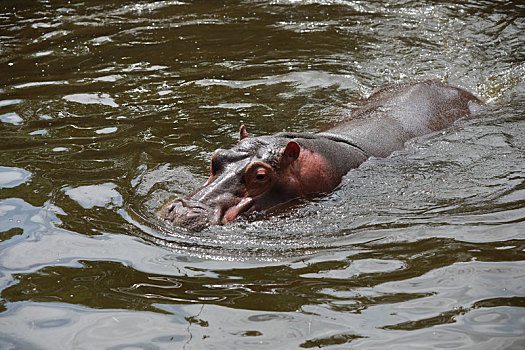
x,y
190,215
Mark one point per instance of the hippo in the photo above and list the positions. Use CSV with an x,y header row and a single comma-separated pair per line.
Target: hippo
x,y
260,174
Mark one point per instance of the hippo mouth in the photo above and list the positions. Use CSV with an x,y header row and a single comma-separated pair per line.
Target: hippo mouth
x,y
196,216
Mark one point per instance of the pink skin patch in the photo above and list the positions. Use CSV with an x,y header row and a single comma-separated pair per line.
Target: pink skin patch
x,y
314,173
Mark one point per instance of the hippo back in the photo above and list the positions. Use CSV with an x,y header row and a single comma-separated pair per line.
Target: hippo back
x,y
393,115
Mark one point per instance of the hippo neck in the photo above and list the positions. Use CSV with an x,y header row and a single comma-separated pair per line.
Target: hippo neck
x,y
325,160
338,139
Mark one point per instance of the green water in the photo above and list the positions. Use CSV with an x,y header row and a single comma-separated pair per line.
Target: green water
x,y
108,109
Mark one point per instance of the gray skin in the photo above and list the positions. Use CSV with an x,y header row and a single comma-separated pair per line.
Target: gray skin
x,y
262,173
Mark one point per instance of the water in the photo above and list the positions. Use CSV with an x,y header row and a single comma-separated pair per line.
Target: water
x,y
109,109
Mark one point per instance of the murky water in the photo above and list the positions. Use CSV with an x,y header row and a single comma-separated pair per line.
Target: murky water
x,y
108,109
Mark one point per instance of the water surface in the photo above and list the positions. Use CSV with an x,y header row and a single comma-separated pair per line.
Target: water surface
x,y
107,110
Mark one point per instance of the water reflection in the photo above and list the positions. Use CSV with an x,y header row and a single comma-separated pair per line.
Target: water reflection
x,y
423,296
109,109
12,177
344,283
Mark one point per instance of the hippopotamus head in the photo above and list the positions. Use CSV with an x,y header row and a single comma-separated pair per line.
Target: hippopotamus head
x,y
255,175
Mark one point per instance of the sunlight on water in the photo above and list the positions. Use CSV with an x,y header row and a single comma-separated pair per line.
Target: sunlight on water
x,y
110,109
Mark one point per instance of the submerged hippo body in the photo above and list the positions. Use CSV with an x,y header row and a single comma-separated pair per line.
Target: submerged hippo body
x,y
262,173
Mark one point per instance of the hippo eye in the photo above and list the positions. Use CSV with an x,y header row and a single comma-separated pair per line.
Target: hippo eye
x,y
261,174
259,178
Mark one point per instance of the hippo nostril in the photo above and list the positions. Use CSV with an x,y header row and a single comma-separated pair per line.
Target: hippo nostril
x,y
171,207
192,204
194,208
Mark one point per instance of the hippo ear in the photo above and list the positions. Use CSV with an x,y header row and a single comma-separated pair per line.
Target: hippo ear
x,y
289,153
243,133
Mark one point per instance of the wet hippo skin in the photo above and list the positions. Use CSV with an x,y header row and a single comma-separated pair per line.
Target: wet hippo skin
x,y
262,173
